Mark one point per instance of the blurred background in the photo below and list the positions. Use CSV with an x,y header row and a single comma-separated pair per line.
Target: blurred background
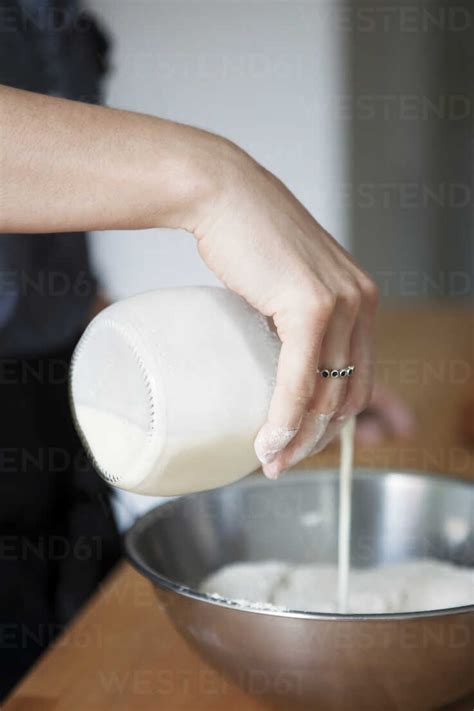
x,y
365,111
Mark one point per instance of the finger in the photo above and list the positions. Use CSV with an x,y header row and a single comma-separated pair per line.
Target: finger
x,y
329,392
359,390
301,342
355,393
387,406
386,416
312,430
333,430
336,401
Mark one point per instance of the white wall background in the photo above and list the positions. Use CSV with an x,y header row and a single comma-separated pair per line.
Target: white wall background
x,y
265,73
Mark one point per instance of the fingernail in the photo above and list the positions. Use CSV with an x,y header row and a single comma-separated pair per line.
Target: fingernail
x,y
272,471
271,440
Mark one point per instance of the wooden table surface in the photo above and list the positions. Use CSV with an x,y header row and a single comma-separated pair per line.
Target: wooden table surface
x,y
122,653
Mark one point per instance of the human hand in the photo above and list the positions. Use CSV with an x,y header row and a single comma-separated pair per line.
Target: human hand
x,y
264,245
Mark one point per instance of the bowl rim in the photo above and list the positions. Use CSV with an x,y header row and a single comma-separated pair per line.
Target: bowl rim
x,y
256,479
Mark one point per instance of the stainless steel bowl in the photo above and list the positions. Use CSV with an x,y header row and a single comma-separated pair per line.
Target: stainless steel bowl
x,y
419,661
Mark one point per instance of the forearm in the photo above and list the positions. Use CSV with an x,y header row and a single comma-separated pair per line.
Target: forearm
x,y
68,166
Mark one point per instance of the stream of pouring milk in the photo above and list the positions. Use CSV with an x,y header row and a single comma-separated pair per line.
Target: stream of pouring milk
x,y
344,533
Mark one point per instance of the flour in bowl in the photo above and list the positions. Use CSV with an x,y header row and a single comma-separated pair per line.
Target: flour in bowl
x,y
409,586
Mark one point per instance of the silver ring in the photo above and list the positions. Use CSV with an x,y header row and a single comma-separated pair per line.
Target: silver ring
x,y
337,372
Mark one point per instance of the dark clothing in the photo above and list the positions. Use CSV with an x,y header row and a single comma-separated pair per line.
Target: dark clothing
x,y
57,533
46,282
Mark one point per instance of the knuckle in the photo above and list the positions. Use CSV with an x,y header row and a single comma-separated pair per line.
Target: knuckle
x,y
370,291
350,298
319,305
